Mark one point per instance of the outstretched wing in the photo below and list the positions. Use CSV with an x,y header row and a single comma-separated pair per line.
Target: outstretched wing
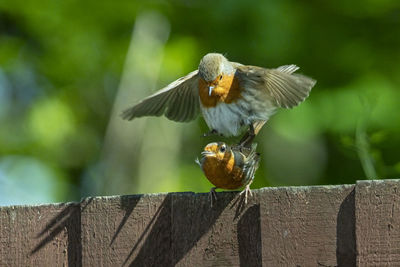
x,y
287,88
178,101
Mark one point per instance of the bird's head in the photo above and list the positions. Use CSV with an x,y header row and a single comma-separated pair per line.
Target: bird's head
x,y
213,68
217,151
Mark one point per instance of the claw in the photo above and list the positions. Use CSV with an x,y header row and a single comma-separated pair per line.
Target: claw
x,y
212,195
246,191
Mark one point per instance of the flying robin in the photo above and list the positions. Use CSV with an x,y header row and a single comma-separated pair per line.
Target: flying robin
x,y
231,96
229,167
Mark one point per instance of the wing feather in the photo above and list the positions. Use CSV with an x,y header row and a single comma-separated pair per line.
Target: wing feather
x,y
184,110
251,164
287,88
288,68
172,101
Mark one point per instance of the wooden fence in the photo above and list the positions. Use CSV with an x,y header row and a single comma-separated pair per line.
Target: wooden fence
x,y
344,225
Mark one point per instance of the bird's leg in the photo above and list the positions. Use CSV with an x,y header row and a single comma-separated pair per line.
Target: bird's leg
x,y
212,132
212,195
248,138
246,191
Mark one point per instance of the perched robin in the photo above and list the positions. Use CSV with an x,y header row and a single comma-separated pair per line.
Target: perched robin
x,y
231,96
229,167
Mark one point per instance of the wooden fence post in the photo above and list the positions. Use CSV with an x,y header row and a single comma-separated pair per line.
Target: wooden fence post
x,y
45,235
378,222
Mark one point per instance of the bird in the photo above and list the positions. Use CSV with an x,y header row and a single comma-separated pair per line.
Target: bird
x,y
229,167
231,97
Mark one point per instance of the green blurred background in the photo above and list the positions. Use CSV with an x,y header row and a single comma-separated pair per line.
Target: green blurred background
x,y
68,68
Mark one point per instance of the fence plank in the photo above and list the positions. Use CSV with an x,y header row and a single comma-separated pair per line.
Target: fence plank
x,y
203,235
377,228
308,226
46,235
118,230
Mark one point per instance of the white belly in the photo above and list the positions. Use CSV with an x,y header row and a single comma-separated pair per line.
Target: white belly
x,y
232,119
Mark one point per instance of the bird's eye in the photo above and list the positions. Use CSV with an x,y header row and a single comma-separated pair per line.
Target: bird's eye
x,y
222,148
220,77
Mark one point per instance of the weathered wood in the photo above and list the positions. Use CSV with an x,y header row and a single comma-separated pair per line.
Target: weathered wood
x,y
205,235
157,230
307,226
340,225
46,235
117,230
378,223
300,227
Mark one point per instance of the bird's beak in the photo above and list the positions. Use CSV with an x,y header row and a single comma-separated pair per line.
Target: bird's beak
x,y
207,153
210,89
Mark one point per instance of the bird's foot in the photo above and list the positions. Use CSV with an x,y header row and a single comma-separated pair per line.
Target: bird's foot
x,y
212,195
246,192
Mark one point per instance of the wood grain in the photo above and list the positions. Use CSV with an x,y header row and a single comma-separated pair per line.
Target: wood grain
x,y
378,223
46,235
344,225
295,226
305,226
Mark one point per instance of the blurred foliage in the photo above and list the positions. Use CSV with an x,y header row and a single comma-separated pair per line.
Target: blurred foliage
x,y
61,64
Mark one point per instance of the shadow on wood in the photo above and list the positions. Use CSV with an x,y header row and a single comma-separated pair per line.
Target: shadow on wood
x,y
249,237
128,204
346,232
342,225
178,224
156,246
70,219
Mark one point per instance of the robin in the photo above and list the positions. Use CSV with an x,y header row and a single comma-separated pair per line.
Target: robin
x,y
231,96
229,167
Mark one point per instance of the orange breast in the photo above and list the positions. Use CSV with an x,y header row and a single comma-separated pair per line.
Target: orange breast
x,y
226,90
223,173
